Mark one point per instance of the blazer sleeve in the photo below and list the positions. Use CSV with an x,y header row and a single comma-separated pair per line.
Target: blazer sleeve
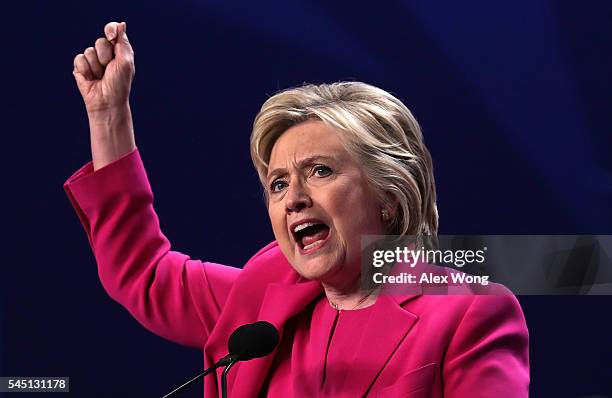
x,y
166,291
489,353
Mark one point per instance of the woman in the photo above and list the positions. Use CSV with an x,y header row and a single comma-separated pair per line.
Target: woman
x,y
337,162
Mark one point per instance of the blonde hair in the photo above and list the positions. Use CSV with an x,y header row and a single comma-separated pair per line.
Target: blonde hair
x,y
376,128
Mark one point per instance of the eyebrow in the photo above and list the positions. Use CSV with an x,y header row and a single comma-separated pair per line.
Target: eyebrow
x,y
301,164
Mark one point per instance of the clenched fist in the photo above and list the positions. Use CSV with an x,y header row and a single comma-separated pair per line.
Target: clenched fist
x,y
104,75
104,72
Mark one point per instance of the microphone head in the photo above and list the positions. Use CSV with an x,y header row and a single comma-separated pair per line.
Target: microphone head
x,y
253,340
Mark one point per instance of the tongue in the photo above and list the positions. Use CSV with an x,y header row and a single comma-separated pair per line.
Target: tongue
x,y
319,234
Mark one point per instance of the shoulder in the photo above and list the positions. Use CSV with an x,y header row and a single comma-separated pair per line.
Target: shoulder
x,y
271,248
461,299
270,265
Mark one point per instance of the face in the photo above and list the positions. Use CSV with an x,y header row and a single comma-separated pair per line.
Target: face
x,y
320,203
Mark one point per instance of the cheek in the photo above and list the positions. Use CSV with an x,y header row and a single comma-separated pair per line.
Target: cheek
x,y
356,214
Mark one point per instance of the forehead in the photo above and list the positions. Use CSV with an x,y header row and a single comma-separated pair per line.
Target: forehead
x,y
307,139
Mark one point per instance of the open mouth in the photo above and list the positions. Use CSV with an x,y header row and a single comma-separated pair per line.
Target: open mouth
x,y
310,235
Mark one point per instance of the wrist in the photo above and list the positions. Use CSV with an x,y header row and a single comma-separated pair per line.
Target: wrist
x,y
112,135
110,116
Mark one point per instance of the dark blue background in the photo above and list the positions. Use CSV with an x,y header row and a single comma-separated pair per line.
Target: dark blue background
x,y
514,100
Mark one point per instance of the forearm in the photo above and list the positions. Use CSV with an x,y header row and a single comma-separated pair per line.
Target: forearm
x,y
111,134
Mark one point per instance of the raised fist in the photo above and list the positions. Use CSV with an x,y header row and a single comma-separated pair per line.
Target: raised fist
x,y
104,73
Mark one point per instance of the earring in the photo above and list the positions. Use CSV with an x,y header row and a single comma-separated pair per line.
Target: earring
x,y
385,214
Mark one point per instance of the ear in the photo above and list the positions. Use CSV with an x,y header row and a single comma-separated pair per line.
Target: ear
x,y
390,205
389,211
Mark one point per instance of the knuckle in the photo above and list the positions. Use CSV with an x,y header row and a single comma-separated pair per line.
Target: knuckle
x,y
111,27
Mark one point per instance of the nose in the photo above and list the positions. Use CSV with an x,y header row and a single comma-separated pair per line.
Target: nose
x,y
297,198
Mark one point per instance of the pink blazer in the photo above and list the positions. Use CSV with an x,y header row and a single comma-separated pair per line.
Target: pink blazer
x,y
417,345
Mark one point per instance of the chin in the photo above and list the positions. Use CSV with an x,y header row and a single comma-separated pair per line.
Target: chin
x,y
320,264
312,270
320,268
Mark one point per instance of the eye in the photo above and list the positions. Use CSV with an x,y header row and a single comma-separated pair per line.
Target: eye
x,y
321,171
277,186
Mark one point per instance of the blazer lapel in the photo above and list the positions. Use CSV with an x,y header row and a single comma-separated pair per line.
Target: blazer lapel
x,y
281,302
385,331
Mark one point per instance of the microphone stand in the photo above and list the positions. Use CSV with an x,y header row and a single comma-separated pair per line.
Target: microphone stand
x,y
224,378
207,371
227,361
253,340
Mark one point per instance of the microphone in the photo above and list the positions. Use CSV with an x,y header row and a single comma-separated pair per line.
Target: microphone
x,y
249,341
253,340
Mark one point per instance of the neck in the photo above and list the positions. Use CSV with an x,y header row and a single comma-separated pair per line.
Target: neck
x,y
351,298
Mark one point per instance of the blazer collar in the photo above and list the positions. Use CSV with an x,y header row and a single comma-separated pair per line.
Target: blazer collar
x,y
386,330
281,302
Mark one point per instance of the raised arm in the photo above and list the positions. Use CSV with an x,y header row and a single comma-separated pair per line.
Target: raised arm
x,y
170,294
104,75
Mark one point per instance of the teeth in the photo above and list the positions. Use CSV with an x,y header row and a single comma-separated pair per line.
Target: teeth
x,y
313,244
305,225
